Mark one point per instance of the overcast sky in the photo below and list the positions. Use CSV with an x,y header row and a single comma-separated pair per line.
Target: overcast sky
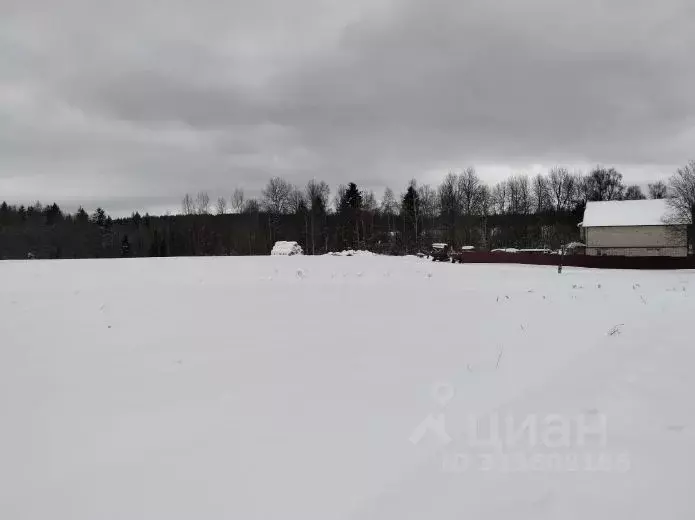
x,y
131,104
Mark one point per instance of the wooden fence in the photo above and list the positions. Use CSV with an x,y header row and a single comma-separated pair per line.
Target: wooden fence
x,y
597,262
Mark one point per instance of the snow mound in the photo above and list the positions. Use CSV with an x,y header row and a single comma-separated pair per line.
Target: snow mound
x,y
351,252
286,249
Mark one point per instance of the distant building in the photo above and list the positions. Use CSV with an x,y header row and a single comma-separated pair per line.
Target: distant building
x,y
633,228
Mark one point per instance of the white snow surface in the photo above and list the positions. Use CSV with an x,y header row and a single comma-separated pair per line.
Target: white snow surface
x,y
219,388
627,213
282,248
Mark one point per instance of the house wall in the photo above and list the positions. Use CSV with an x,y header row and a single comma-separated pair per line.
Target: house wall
x,y
637,241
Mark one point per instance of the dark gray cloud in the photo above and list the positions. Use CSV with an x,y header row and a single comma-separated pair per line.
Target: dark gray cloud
x,y
135,103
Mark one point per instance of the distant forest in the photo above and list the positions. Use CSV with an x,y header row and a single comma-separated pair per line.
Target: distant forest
x,y
523,212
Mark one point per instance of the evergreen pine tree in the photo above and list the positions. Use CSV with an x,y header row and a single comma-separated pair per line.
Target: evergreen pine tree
x,y
349,211
99,217
410,210
81,216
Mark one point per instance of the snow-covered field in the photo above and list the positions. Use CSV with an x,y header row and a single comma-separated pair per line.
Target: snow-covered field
x,y
344,388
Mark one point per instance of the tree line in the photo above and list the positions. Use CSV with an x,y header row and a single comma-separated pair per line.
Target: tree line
x,y
521,211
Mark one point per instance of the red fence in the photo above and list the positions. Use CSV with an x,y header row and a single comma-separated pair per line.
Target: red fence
x,y
598,262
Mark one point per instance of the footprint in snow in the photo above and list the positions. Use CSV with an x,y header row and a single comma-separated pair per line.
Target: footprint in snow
x,y
616,331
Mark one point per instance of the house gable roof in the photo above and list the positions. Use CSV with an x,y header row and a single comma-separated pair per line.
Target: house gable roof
x,y
628,213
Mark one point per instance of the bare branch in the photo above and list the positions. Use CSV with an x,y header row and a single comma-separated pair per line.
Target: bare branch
x,y
202,203
221,206
237,200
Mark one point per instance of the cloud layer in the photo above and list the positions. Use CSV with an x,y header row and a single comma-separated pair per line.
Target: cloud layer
x,y
131,105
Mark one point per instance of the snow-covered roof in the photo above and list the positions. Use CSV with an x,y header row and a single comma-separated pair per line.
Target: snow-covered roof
x,y
627,213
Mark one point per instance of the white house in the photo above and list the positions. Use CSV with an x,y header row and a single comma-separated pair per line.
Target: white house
x,y
633,228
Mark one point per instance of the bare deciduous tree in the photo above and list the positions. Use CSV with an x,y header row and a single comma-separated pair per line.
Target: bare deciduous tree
x,y
276,196
448,196
428,201
605,184
500,198
449,204
468,190
187,205
317,193
237,200
562,188
297,202
581,188
541,194
485,201
369,202
202,203
251,206
682,200
389,207
221,206
519,195
276,201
